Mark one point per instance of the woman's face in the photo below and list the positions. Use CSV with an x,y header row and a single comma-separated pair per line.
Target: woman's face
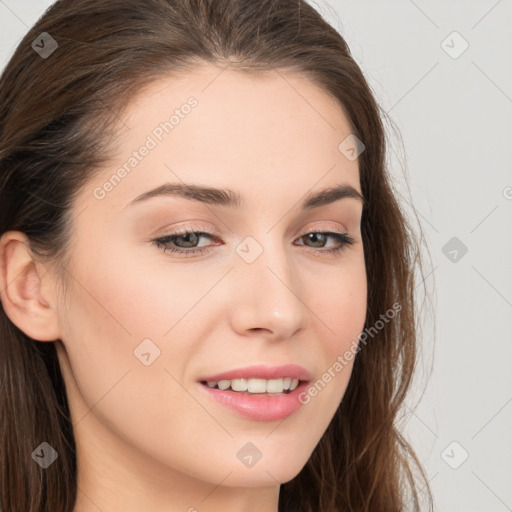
x,y
142,327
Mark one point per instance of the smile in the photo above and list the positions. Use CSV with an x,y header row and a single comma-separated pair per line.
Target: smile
x,y
253,385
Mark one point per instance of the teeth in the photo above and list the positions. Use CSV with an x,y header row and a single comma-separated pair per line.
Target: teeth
x,y
224,384
256,385
239,385
259,386
275,386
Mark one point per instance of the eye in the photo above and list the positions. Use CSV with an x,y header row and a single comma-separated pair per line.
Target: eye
x,y
171,243
185,242
343,239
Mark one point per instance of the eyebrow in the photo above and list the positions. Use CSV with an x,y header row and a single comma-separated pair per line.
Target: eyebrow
x,y
232,199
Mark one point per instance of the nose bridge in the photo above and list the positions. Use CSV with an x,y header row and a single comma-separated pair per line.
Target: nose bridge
x,y
268,288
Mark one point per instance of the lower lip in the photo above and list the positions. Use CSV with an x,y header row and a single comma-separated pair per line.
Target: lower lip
x,y
258,406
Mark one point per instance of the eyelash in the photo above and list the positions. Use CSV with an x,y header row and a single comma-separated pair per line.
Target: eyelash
x,y
344,238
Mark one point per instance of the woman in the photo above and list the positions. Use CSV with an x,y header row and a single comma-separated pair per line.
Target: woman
x,y
207,282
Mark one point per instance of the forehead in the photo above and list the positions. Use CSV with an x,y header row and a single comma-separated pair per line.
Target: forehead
x,y
240,112
269,130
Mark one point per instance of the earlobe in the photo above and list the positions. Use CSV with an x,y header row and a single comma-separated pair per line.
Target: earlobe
x,y
21,289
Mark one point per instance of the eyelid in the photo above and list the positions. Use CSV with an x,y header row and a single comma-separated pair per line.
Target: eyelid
x,y
188,229
322,228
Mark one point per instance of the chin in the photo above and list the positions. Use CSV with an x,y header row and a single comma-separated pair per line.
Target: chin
x,y
268,474
260,478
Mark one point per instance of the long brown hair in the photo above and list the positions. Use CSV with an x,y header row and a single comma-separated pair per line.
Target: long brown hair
x,y
57,119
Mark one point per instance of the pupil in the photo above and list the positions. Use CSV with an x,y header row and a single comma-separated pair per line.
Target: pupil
x,y
186,236
316,235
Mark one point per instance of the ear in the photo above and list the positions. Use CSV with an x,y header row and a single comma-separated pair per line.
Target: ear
x,y
23,284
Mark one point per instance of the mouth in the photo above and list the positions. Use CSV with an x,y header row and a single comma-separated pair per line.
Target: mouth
x,y
256,386
258,392
257,399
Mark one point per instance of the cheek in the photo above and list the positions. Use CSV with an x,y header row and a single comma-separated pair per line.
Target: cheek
x,y
341,306
124,296
112,393
340,302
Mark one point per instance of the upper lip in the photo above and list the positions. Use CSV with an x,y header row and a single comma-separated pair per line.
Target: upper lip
x,y
261,372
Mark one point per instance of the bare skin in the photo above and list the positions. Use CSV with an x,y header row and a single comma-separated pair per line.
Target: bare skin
x,y
148,437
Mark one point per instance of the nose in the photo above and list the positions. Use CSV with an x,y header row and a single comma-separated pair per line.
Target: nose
x,y
269,299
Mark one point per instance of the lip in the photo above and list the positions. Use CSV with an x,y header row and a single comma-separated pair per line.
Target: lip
x,y
259,407
262,371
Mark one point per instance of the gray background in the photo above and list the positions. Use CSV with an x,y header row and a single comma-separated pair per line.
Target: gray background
x,y
453,110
